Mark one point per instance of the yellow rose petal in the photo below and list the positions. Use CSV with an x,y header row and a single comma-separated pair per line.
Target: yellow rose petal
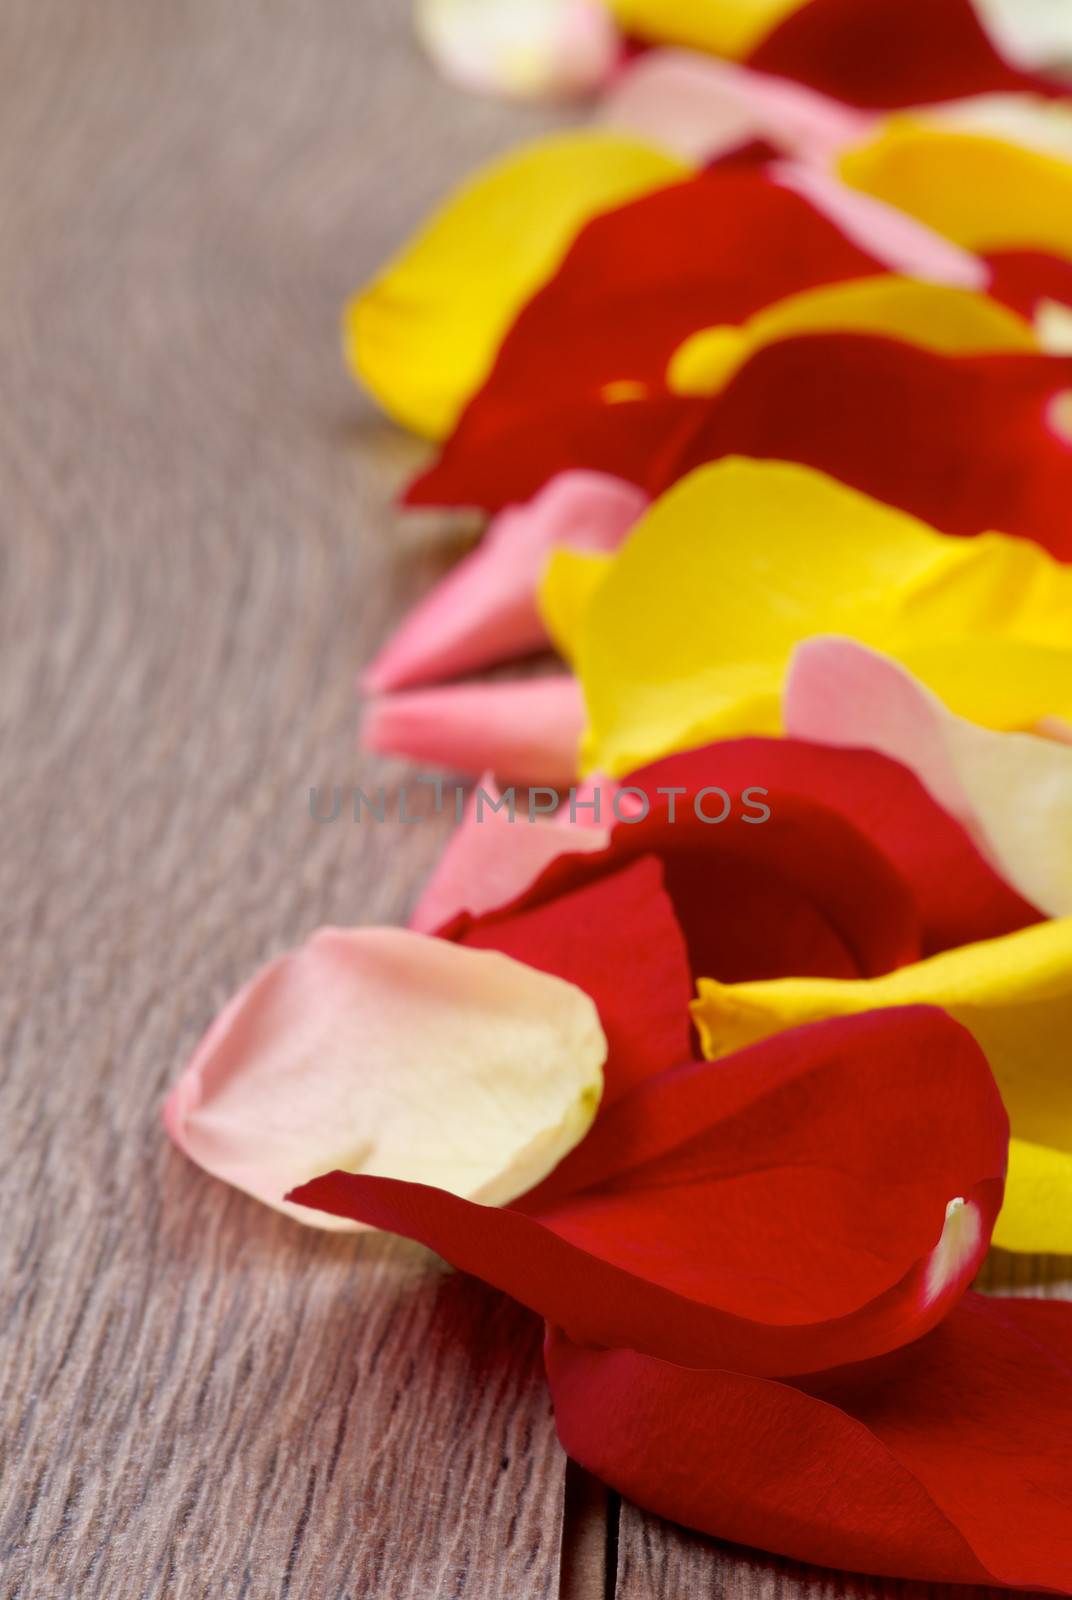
x,y
725,27
933,316
570,580
687,635
982,192
423,336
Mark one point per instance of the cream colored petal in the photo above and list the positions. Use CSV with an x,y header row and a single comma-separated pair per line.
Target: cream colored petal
x,y
523,49
1032,33
381,1051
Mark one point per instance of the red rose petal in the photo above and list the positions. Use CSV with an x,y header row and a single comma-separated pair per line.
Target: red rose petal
x,y
497,455
1023,279
958,897
887,53
959,441
640,279
778,1211
963,442
949,1461
619,941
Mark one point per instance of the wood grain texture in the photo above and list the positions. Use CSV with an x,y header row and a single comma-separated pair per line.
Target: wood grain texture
x,y
199,1398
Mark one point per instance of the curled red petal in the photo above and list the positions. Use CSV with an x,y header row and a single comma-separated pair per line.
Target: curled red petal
x,y
949,1461
818,1199
956,895
803,892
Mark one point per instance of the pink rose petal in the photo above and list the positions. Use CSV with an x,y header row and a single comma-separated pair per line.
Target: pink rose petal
x,y
700,107
905,245
490,859
1012,792
484,611
525,732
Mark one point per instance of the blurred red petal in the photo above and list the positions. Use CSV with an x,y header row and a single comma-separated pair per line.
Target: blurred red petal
x,y
1023,279
639,279
949,1461
959,441
780,1211
498,455
963,442
889,53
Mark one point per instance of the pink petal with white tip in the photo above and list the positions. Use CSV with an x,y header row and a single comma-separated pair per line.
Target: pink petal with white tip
x,y
1012,792
383,1052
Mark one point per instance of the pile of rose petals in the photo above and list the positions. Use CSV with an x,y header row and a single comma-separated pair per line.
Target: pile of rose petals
x,y
734,1066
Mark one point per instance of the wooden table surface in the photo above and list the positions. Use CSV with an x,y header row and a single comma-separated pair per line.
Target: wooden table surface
x,y
201,1399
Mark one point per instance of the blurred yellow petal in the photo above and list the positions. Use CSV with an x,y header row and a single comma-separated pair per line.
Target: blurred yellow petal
x,y
725,27
570,580
1014,994
687,636
934,316
422,337
982,192
1025,119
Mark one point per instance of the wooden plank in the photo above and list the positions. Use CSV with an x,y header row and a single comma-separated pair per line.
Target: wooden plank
x,y
200,1398
660,1561
589,1509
